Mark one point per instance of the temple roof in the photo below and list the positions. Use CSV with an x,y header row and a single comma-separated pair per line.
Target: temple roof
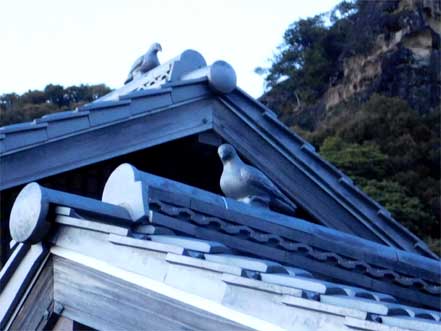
x,y
240,267
181,98
157,252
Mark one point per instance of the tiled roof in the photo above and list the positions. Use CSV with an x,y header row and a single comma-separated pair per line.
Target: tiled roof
x,y
304,265
297,247
138,116
17,137
281,295
274,236
163,86
298,287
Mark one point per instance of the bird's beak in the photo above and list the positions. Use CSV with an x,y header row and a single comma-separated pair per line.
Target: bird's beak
x,y
160,48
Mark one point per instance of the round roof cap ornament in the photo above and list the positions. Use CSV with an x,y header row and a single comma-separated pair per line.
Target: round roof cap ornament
x,y
27,222
222,77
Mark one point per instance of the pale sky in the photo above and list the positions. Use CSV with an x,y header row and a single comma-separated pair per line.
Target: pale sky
x,y
96,41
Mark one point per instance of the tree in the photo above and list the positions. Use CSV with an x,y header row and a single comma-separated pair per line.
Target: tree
x,y
392,153
390,150
356,160
397,199
302,58
16,108
55,94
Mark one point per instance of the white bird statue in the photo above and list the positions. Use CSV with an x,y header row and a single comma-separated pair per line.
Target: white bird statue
x,y
248,184
145,63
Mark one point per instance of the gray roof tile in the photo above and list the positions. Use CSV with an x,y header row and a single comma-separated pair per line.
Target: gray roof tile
x,y
383,311
155,101
64,115
323,307
61,124
190,91
91,225
26,138
262,286
292,271
145,93
146,229
358,324
245,262
23,134
352,291
103,116
145,244
304,283
104,104
20,127
411,323
193,244
427,314
367,305
204,264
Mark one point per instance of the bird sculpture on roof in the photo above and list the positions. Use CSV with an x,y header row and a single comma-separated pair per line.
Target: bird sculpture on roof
x,y
248,184
145,63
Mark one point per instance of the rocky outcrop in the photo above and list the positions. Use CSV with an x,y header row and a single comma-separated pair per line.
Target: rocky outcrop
x,y
403,60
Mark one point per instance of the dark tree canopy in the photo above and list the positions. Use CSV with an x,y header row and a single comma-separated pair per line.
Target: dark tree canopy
x,y
393,154
16,108
311,49
390,150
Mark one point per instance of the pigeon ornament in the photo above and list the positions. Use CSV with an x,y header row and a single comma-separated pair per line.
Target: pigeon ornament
x,y
248,184
145,63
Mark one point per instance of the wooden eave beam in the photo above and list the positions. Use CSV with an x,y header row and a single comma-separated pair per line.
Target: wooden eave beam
x,y
99,144
324,191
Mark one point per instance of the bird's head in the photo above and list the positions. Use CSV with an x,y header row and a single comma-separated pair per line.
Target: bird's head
x,y
226,152
155,47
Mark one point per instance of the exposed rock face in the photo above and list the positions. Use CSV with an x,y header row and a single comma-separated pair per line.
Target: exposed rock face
x,y
404,59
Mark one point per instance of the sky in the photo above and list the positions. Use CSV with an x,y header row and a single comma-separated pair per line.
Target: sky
x,y
96,41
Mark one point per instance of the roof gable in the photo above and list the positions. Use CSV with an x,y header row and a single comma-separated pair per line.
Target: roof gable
x,y
181,98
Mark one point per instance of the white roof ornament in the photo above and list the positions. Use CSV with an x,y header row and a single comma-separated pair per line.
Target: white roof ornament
x,y
248,184
145,63
190,65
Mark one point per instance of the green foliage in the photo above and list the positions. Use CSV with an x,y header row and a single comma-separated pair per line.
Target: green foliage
x,y
54,98
303,58
379,119
364,160
309,55
391,151
434,244
400,202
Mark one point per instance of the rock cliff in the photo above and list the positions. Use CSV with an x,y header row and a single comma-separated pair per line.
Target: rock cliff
x,y
402,60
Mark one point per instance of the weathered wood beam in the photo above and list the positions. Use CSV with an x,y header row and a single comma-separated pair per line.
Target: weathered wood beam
x,y
119,304
38,306
323,190
128,134
16,278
